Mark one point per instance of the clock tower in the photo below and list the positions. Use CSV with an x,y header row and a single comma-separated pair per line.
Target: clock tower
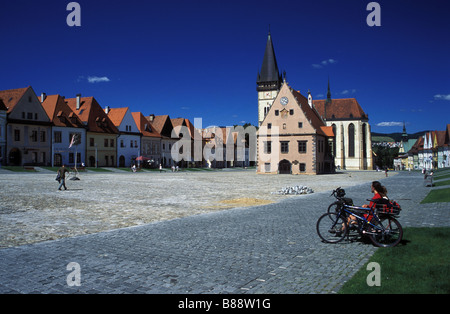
x,y
268,81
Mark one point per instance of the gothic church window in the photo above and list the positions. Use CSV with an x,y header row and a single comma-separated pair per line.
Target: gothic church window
x,y
351,140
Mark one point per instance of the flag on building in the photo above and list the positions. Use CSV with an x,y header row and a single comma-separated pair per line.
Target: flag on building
x,y
72,141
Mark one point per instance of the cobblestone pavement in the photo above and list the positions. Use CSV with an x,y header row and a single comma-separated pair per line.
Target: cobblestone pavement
x,y
265,249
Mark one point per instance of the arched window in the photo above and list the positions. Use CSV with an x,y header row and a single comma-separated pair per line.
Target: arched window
x,y
364,140
351,140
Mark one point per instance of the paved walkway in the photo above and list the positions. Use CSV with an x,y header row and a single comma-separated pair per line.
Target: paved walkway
x,y
266,249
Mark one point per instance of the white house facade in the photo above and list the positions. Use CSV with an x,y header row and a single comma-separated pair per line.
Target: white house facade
x,y
129,140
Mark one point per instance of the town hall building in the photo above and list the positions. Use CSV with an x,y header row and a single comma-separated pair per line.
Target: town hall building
x,y
308,136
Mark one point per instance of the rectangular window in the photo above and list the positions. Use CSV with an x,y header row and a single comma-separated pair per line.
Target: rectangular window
x,y
302,147
300,125
268,147
17,135
284,147
302,167
43,136
111,143
91,142
34,136
106,142
57,136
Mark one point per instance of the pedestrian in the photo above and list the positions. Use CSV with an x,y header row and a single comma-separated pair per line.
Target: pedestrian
x,y
62,176
160,168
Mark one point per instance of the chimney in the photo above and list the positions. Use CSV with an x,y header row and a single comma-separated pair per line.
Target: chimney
x,y
310,100
43,96
107,109
78,101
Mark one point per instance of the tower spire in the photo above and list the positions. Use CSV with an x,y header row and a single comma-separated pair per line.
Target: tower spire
x,y
329,91
269,74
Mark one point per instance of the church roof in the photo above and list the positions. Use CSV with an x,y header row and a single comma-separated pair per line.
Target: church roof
x,y
340,109
269,70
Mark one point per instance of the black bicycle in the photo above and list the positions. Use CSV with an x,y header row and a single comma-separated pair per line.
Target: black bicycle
x,y
377,222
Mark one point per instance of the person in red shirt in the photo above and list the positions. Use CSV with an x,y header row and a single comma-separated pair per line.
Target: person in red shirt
x,y
379,192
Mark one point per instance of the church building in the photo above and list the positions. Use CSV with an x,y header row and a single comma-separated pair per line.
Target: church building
x,y
310,136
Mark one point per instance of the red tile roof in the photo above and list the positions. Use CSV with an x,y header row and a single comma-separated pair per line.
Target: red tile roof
x,y
11,97
312,115
60,113
340,109
92,114
144,125
116,115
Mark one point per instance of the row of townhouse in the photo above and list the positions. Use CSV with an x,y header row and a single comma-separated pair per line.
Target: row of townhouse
x,y
52,130
430,151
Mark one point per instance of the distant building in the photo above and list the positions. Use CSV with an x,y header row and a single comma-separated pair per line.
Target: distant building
x,y
295,135
163,125
101,142
129,140
348,139
150,140
65,125
352,146
28,128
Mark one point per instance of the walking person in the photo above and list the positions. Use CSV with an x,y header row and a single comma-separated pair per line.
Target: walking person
x,y
62,176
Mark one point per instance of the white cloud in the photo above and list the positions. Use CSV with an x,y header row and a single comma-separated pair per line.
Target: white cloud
x,y
97,79
390,123
323,63
346,91
442,97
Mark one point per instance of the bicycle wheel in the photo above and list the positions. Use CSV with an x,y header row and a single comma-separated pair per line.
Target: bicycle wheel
x,y
390,236
332,227
333,208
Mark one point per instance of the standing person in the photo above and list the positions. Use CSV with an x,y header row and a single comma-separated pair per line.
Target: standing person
x,y
160,168
62,175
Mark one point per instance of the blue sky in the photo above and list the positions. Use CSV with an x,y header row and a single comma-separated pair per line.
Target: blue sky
x,y
200,58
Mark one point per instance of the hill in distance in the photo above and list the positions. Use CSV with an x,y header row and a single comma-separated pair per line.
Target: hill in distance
x,y
393,137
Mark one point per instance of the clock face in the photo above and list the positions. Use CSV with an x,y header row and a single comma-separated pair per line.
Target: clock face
x,y
268,94
284,101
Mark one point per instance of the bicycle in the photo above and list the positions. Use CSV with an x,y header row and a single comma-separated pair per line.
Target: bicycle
x,y
376,222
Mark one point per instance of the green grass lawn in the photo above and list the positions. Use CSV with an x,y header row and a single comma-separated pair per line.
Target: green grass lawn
x,y
420,264
441,183
438,195
16,169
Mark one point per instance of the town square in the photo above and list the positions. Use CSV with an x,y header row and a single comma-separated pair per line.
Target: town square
x,y
241,148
